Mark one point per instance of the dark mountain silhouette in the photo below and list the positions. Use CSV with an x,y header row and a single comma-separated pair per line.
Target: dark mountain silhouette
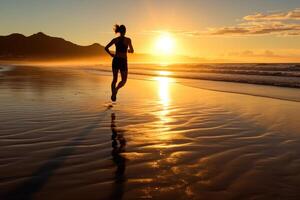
x,y
40,47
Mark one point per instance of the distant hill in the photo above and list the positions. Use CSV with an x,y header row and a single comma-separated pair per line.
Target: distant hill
x,y
40,46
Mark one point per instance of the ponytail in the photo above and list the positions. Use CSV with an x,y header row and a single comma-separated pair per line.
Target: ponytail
x,y
117,28
120,29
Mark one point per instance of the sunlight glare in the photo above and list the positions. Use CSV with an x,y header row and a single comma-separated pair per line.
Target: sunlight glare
x,y
163,90
164,44
164,73
164,84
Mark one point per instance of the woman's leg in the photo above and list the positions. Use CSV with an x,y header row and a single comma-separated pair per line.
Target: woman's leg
x,y
123,79
113,84
115,79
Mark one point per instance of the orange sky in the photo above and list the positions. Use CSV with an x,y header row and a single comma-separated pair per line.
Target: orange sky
x,y
262,31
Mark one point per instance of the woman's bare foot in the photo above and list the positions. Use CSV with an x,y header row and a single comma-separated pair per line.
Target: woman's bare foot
x,y
114,96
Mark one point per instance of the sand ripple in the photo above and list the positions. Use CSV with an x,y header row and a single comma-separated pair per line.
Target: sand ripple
x,y
197,149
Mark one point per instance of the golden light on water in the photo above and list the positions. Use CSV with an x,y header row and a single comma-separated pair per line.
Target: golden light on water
x,y
164,73
164,84
163,90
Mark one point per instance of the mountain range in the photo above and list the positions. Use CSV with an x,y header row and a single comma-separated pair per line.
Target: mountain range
x,y
40,46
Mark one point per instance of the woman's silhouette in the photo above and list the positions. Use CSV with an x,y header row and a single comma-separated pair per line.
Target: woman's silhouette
x,y
123,45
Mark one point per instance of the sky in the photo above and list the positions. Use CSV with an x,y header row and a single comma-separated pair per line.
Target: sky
x,y
246,30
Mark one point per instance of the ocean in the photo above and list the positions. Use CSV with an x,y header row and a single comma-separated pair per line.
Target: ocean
x,y
285,75
274,80
277,81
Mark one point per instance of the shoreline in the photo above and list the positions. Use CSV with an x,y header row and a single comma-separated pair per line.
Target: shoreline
x,y
273,91
222,86
289,79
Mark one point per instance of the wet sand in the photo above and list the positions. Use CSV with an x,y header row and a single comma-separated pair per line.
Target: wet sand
x,y
61,138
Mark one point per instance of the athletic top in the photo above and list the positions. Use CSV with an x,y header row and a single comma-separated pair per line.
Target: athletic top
x,y
121,47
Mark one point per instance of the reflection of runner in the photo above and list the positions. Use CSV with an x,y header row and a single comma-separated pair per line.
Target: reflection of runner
x,y
118,145
123,44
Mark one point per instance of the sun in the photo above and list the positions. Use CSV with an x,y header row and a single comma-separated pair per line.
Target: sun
x,y
164,44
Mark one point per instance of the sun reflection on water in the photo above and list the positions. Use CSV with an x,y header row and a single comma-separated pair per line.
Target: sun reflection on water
x,y
164,84
163,73
164,89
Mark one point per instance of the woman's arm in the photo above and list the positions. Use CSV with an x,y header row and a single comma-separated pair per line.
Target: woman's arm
x,y
130,50
109,45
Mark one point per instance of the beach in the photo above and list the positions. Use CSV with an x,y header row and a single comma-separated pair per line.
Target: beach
x,y
62,138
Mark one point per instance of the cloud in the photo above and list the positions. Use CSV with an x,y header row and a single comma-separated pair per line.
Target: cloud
x,y
280,23
249,53
263,24
258,28
245,29
259,24
290,15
